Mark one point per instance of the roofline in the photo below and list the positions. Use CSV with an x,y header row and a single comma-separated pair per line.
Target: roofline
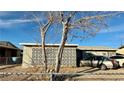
x,y
121,47
35,44
8,42
9,47
38,44
97,49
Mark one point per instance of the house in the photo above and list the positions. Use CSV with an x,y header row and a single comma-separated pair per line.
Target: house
x,y
84,51
32,53
7,51
97,50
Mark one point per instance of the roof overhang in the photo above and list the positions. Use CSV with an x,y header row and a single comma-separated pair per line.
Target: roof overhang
x,y
7,47
96,48
38,44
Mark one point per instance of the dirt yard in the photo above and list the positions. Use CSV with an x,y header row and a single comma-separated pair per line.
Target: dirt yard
x,y
16,72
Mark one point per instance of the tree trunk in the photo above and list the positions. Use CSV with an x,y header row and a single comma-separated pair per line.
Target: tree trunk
x,y
44,57
61,48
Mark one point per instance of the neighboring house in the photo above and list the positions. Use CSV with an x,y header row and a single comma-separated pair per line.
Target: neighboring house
x,y
120,50
7,51
32,53
84,51
98,50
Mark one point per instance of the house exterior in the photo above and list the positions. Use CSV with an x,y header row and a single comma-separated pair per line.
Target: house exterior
x,y
120,50
7,51
98,50
32,54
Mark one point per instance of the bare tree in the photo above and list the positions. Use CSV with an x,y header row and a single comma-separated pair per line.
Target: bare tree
x,y
44,27
87,22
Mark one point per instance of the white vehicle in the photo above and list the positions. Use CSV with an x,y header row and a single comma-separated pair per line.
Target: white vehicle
x,y
119,59
101,62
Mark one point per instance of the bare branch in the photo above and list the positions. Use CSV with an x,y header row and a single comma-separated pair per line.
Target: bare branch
x,y
37,19
61,16
46,27
97,16
71,16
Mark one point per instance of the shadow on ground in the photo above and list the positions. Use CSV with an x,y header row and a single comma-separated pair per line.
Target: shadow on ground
x,y
62,77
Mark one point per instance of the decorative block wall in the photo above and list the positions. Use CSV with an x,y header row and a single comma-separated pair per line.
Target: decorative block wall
x,y
68,59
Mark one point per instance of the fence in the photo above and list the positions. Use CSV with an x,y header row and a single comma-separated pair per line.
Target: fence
x,y
10,60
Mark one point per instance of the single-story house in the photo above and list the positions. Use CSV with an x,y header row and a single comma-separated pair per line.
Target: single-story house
x,y
7,51
84,51
97,50
32,53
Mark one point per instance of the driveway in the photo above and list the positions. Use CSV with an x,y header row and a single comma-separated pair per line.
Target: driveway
x,y
88,73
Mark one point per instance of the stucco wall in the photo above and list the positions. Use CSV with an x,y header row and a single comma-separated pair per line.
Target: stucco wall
x,y
27,56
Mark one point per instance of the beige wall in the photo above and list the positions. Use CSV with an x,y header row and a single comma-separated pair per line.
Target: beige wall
x,y
29,59
27,56
120,51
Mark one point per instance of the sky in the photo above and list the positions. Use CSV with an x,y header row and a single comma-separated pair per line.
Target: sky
x,y
16,28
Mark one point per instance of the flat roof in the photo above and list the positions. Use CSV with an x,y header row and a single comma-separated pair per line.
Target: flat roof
x,y
95,48
73,45
38,44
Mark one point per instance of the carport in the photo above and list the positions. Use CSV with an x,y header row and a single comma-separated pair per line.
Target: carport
x,y
7,52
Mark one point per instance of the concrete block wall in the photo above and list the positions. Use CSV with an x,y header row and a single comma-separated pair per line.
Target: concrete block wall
x,y
33,56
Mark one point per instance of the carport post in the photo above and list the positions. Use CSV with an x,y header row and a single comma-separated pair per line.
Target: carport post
x,y
6,60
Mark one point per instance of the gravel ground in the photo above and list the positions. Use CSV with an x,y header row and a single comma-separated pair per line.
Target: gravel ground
x,y
16,72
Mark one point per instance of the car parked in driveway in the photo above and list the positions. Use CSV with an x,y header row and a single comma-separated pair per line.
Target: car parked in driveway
x,y
119,59
100,61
